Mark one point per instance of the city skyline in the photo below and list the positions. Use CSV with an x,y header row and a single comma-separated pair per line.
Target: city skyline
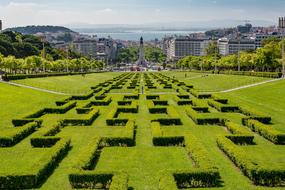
x,y
32,12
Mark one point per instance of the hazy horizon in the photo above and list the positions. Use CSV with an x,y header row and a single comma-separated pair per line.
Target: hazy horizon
x,y
135,12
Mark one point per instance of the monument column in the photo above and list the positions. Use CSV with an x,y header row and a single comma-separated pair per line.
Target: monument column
x,y
141,61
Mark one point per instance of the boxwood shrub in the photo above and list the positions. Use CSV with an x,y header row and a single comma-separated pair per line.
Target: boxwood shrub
x,y
12,136
266,131
39,172
87,120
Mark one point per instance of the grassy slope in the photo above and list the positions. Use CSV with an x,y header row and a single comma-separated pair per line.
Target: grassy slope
x,y
210,82
69,84
268,98
144,161
16,101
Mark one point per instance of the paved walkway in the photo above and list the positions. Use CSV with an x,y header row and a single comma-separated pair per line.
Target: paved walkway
x,y
250,85
61,93
34,88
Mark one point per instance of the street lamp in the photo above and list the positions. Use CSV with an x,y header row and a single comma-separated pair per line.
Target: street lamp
x,y
281,27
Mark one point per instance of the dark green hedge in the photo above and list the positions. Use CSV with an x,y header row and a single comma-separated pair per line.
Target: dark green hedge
x,y
201,119
25,76
168,141
260,174
152,97
116,122
169,121
266,131
13,136
58,110
241,139
39,172
86,121
99,180
223,107
44,142
196,179
158,110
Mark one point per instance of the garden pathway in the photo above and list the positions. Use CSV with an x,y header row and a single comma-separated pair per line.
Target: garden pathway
x,y
34,88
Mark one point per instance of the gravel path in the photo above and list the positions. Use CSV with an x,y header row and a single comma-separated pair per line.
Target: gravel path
x,y
251,85
34,88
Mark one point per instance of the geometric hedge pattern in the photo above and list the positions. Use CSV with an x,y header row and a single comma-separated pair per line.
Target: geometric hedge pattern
x,y
135,111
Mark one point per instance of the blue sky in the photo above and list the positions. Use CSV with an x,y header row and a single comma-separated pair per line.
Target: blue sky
x,y
67,12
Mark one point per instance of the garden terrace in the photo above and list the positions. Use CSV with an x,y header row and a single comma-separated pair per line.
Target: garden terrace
x,y
171,136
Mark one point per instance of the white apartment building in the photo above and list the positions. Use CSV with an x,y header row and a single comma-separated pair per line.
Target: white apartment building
x,y
233,46
180,47
86,47
260,37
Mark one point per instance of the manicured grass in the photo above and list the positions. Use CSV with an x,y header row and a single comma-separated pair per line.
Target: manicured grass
x,y
76,84
144,163
214,83
17,101
268,98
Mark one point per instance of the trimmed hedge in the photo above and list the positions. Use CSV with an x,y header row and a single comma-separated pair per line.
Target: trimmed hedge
x,y
99,180
266,131
160,103
44,142
200,95
104,102
13,136
88,156
201,119
152,97
158,110
223,107
83,110
196,178
22,122
241,139
39,172
254,114
259,174
124,103
169,121
87,120
58,110
25,76
131,97
168,141
236,128
83,97
205,174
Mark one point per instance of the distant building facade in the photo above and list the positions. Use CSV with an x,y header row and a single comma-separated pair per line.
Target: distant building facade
x,y
179,47
244,28
259,38
87,47
233,46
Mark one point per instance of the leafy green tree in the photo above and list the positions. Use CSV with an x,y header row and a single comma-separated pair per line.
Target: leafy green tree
x,y
155,55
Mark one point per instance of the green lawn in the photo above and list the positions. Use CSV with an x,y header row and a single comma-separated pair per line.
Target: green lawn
x,y
144,163
16,101
214,83
268,98
76,84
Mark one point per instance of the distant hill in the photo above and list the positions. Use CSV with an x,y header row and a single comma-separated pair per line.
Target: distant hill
x,y
40,29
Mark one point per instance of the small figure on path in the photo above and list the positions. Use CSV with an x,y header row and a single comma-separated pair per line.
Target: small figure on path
x,y
142,89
